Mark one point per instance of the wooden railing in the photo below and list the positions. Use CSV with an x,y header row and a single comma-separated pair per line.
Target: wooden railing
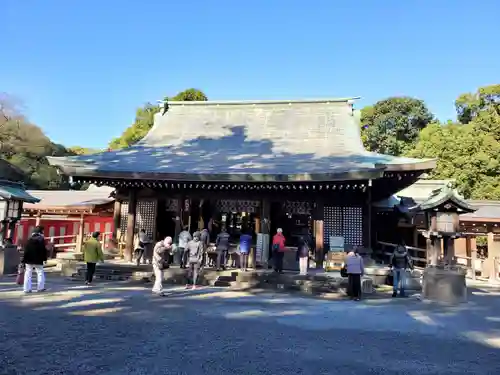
x,y
54,245
469,263
416,254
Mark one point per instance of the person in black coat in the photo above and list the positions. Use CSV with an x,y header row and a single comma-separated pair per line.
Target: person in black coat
x,y
35,255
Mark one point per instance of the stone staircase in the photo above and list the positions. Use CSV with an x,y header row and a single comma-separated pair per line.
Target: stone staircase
x,y
314,284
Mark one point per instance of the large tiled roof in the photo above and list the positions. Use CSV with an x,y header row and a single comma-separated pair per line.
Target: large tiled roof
x,y
485,210
264,140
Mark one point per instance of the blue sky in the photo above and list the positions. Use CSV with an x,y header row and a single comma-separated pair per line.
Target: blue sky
x,y
82,67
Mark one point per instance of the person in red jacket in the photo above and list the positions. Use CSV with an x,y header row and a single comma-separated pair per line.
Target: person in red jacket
x,y
278,250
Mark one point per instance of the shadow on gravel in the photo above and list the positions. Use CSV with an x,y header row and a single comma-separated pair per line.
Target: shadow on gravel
x,y
476,320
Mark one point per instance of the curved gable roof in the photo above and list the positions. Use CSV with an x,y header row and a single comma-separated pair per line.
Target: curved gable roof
x,y
246,141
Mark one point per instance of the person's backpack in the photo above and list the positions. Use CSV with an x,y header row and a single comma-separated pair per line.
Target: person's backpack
x,y
195,254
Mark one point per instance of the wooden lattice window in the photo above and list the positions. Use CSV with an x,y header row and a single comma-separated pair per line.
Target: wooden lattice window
x,y
123,217
352,225
234,205
146,216
346,222
297,208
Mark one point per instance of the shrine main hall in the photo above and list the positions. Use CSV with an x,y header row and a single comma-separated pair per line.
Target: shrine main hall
x,y
299,165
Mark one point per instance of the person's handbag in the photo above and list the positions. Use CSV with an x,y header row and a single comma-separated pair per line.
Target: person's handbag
x,y
20,275
163,265
343,271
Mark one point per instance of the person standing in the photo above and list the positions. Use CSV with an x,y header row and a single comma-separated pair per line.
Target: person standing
x,y
184,238
245,243
205,240
159,251
195,252
303,255
400,262
35,255
142,242
92,254
278,250
355,269
222,248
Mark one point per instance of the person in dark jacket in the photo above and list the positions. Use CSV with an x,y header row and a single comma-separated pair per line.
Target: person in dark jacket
x,y
35,254
205,241
222,248
400,263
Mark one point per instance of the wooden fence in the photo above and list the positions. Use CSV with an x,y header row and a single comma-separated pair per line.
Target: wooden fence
x,y
72,243
418,255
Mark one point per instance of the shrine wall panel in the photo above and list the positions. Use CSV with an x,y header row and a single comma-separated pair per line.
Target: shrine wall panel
x,y
343,221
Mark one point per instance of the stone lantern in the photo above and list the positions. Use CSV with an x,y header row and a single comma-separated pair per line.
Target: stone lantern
x,y
443,280
12,196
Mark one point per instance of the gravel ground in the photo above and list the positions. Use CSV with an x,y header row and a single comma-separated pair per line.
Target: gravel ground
x,y
117,329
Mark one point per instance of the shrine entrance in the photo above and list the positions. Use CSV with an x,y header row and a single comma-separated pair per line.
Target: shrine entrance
x,y
238,216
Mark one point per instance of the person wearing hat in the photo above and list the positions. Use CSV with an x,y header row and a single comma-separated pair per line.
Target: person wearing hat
x,y
92,253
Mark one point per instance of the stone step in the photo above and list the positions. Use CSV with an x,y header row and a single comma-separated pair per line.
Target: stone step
x,y
310,284
223,283
223,278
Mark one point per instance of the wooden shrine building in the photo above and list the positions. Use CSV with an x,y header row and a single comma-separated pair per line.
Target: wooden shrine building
x,y
255,165
68,216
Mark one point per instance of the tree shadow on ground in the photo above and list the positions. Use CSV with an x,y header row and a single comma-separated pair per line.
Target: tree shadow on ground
x,y
132,327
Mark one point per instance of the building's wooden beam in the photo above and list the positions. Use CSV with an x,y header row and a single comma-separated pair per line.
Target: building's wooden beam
x,y
132,207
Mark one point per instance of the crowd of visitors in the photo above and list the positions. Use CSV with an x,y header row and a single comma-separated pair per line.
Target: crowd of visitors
x,y
191,253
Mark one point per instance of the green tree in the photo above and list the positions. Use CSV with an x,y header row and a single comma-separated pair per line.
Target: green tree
x,y
77,150
26,147
189,95
484,102
144,119
391,126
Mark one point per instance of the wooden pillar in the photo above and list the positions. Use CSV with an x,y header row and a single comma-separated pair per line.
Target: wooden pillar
x,y
369,215
116,218
450,251
80,236
473,256
265,229
11,230
318,217
434,251
491,263
131,217
38,218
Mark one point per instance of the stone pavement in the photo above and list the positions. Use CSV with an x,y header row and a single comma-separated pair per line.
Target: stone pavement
x,y
117,328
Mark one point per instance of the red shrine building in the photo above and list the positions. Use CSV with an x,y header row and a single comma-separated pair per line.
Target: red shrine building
x,y
67,214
